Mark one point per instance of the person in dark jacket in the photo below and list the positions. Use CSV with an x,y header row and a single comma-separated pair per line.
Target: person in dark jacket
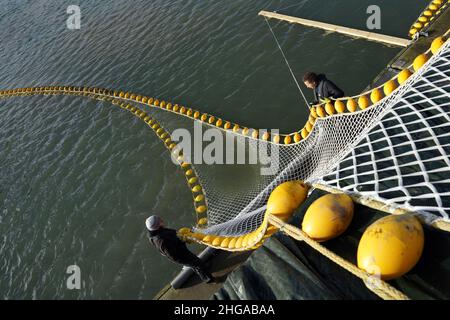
x,y
169,245
323,88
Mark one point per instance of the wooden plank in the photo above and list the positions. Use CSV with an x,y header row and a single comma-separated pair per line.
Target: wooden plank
x,y
343,30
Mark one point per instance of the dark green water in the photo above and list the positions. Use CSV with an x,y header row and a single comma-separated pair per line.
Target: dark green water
x,y
78,178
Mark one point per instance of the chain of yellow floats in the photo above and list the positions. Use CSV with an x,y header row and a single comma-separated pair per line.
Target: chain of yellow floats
x,y
270,225
431,12
255,238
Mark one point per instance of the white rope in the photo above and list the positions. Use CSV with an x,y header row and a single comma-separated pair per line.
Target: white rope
x,y
287,63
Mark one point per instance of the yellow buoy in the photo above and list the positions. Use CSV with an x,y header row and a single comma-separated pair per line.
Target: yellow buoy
x,y
227,125
202,221
297,137
245,131
376,95
192,180
266,136
255,134
313,112
238,243
329,108
328,217
391,246
287,140
320,111
184,231
419,61
236,128
204,117
217,241
201,209
196,114
197,236
437,44
232,243
309,126
418,25
427,13
225,242
403,76
185,165
276,139
339,106
352,105
286,198
219,123
389,87
304,133
211,120
208,239
199,198
363,102
197,188
412,32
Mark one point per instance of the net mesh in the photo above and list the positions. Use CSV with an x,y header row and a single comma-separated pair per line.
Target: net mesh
x,y
396,151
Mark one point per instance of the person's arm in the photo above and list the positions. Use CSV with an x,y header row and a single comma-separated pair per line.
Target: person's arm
x,y
316,98
332,90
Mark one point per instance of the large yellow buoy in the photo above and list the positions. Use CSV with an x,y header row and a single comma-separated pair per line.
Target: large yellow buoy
x,y
403,75
391,246
419,61
437,44
389,87
286,198
328,217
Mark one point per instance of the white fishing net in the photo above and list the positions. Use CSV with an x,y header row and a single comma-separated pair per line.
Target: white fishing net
x,y
396,151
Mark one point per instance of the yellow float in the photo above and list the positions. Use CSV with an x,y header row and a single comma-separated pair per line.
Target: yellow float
x,y
376,95
352,105
363,102
286,198
389,87
437,44
419,61
339,106
391,246
404,75
328,217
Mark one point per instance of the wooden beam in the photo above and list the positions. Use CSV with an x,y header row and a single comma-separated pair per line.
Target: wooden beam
x,y
343,30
